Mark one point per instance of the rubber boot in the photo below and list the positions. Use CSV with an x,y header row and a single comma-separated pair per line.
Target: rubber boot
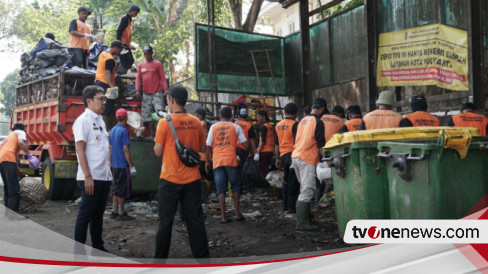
x,y
292,201
14,202
303,217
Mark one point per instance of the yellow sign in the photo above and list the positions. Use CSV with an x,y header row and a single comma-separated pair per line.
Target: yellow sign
x,y
429,55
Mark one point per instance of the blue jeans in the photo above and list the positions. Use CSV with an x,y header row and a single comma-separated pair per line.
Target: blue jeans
x,y
222,175
91,212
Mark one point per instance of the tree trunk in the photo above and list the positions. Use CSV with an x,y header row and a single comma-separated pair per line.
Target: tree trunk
x,y
236,8
252,16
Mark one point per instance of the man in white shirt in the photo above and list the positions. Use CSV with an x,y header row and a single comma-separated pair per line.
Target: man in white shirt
x,y
94,176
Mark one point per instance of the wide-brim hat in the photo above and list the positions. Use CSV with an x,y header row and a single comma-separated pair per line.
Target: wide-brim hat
x,y
386,98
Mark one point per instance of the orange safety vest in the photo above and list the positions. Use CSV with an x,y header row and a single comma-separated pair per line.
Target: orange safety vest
x,y
285,137
353,124
470,119
306,145
127,33
224,144
332,125
382,119
10,149
269,145
100,76
422,119
80,42
245,125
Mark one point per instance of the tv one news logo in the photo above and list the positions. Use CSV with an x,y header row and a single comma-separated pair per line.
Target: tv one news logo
x,y
416,231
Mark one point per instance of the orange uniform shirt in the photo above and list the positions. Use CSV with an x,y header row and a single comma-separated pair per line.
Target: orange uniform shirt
x,y
285,138
382,119
246,126
223,137
190,133
309,139
352,125
80,42
332,125
268,139
470,119
100,76
422,119
10,149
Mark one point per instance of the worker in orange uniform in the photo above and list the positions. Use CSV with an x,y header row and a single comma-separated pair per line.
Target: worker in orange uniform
x,y
354,118
266,147
419,116
222,141
469,118
250,134
332,122
304,159
286,131
384,116
79,39
124,34
9,151
105,77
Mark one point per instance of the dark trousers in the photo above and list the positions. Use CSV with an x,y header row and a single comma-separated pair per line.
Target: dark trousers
x,y
110,105
264,161
11,187
79,57
91,212
286,163
188,195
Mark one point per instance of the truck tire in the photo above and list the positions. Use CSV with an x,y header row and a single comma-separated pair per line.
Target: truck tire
x,y
54,186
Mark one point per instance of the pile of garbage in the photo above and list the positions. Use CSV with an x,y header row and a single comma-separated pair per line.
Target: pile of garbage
x,y
47,58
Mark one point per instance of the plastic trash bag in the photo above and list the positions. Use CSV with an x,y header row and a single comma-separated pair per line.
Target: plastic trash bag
x,y
134,120
275,178
323,171
33,161
43,44
251,173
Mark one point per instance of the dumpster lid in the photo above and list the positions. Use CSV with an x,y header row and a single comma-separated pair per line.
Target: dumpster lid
x,y
387,134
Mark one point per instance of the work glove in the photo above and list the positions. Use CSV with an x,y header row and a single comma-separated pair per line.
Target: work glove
x,y
133,171
256,157
89,36
33,161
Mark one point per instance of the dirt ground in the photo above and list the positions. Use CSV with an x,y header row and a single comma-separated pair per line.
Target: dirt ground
x,y
271,233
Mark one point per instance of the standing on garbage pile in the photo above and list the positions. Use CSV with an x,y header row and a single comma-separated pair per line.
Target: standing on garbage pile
x,y
469,118
94,177
354,117
151,78
266,146
286,131
200,113
222,141
384,116
9,151
122,165
250,134
419,116
79,39
105,78
332,122
178,182
124,30
308,151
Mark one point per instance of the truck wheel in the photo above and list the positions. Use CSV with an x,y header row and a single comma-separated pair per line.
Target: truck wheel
x,y
54,186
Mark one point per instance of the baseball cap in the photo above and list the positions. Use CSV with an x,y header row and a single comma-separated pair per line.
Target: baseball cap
x,y
147,49
320,103
80,9
243,112
468,105
117,43
121,113
386,98
291,108
418,102
133,8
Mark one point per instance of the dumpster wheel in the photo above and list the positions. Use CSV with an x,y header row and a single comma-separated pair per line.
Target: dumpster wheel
x,y
54,186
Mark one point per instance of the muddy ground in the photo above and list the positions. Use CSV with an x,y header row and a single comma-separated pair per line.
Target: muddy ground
x,y
271,233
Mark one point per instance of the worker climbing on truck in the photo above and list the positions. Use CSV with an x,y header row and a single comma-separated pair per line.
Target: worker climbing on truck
x,y
79,39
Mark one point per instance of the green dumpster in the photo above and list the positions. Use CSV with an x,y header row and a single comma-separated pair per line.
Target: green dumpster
x,y
360,177
148,166
436,179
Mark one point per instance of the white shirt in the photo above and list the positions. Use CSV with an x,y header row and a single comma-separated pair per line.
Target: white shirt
x,y
240,134
21,135
90,128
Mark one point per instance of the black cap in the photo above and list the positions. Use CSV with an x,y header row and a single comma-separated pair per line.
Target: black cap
x,y
354,109
319,103
418,103
147,49
18,126
178,93
117,43
291,108
133,8
338,110
80,9
201,112
226,112
468,105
